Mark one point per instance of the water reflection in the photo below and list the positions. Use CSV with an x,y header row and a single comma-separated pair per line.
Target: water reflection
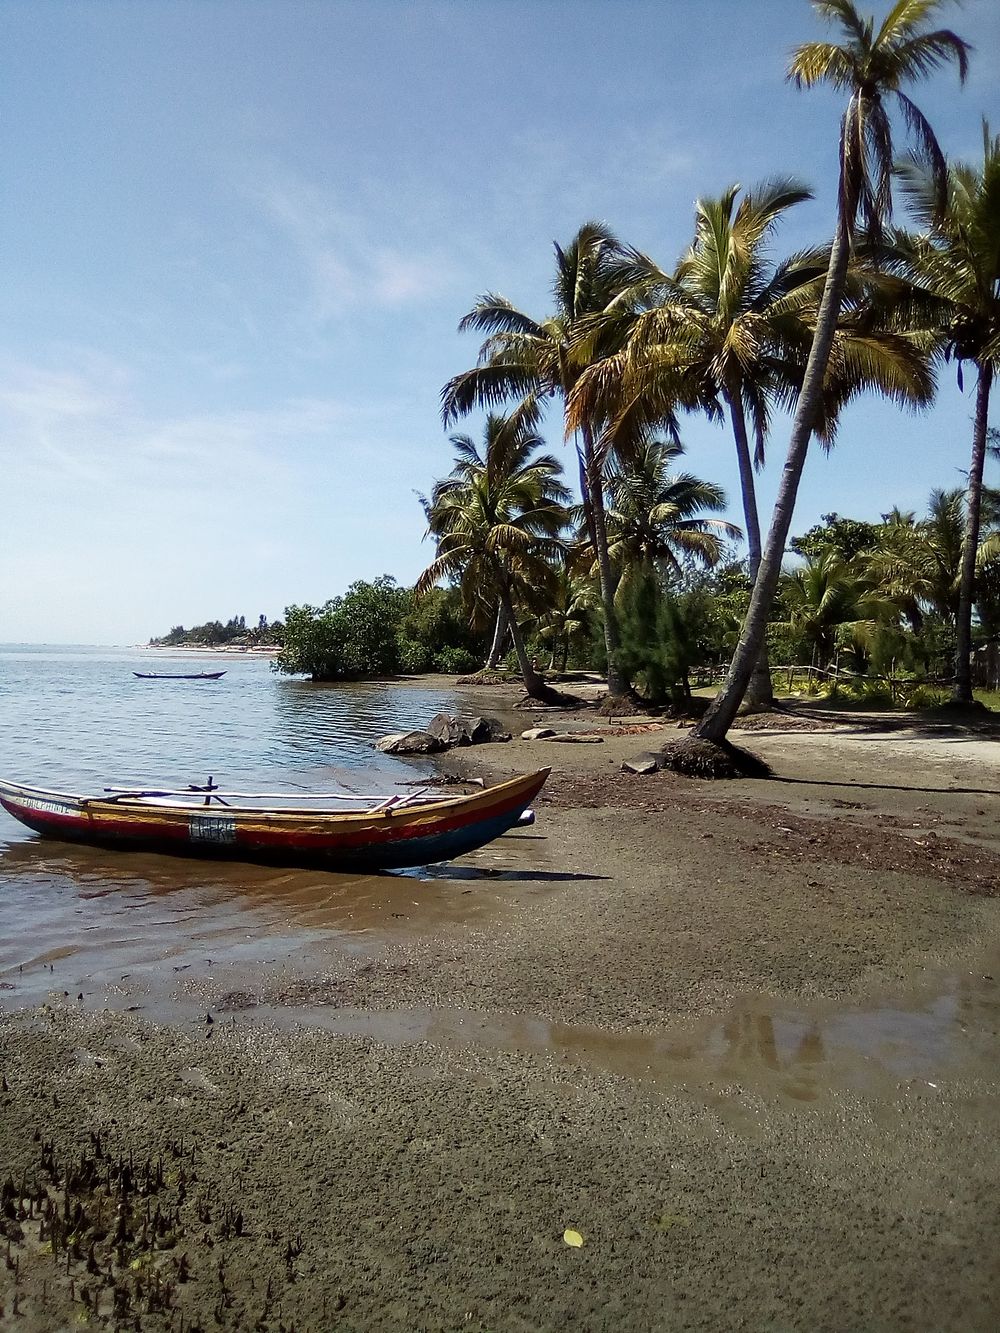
x,y
81,718
102,915
943,1030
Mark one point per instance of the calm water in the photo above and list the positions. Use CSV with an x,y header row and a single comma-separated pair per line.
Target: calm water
x,y
80,919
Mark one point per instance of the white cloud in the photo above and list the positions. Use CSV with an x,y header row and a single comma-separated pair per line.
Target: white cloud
x,y
81,432
349,259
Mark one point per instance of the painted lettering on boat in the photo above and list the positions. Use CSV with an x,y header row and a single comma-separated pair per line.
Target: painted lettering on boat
x,y
212,828
46,807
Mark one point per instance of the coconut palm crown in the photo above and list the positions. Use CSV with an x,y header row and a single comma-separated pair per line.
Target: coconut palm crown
x,y
659,518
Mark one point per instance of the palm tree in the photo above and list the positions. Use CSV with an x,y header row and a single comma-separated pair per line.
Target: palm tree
x,y
715,335
570,614
917,562
496,520
955,262
869,65
729,333
527,360
657,517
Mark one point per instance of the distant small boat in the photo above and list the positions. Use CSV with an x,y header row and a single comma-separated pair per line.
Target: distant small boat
x,y
386,833
178,675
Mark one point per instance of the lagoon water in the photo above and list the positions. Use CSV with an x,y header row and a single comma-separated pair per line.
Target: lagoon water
x,y
82,920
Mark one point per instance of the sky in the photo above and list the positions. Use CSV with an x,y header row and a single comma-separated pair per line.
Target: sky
x,y
238,236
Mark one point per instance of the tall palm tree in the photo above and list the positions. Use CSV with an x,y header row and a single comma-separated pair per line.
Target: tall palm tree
x,y
657,518
955,262
870,65
524,359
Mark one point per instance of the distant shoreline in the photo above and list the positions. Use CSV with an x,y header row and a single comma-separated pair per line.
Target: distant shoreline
x,y
222,650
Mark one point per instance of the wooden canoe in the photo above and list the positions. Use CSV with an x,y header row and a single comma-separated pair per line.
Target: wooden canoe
x,y
387,834
178,675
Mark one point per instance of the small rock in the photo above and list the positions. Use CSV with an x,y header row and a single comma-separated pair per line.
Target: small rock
x,y
448,730
641,763
537,734
388,741
409,742
483,729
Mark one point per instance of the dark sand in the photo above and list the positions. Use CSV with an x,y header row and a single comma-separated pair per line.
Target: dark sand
x,y
742,1038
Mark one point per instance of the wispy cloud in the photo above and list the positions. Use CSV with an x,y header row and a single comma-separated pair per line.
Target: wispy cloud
x,y
349,259
84,427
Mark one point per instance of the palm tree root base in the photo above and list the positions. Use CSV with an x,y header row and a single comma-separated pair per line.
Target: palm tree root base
x,y
490,676
550,698
697,758
622,705
972,707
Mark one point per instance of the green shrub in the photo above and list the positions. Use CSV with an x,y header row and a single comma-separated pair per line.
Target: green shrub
x,y
350,637
414,658
928,696
455,661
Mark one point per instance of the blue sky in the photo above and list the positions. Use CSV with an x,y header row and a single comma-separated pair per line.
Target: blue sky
x,y
238,236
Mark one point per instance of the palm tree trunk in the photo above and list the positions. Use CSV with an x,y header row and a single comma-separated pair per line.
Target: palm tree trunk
x,y
588,508
760,693
617,684
533,682
962,691
499,639
721,712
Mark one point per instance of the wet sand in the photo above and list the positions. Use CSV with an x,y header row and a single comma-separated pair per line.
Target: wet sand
x,y
744,1039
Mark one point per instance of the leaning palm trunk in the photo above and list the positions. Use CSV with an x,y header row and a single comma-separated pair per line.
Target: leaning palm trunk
x,y
761,693
962,692
533,682
499,639
723,709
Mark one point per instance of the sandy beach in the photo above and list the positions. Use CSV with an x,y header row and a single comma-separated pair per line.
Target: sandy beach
x,y
742,1039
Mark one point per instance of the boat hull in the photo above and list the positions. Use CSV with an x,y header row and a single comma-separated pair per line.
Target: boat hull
x,y
388,839
176,675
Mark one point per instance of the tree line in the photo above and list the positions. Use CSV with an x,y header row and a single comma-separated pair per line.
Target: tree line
x,y
214,634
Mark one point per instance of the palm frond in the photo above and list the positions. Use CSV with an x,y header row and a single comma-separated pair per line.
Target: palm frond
x,y
495,314
821,62
487,387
